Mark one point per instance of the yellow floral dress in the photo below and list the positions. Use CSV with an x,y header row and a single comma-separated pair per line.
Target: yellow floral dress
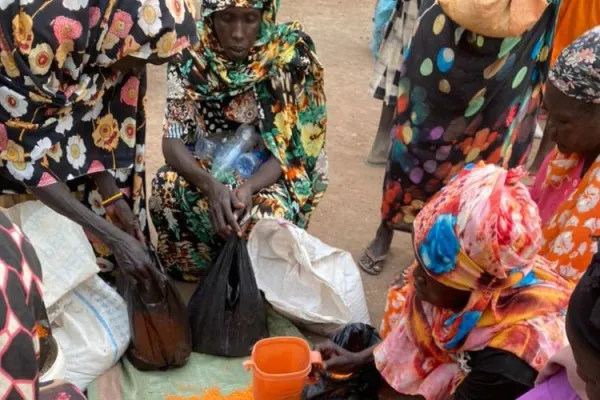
x,y
280,91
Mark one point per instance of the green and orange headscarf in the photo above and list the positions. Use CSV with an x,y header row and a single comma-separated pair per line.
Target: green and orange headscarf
x,y
286,77
481,235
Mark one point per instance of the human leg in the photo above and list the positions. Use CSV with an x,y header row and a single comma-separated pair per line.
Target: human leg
x,y
381,145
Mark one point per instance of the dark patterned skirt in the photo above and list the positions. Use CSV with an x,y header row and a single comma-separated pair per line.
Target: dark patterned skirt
x,y
187,244
463,98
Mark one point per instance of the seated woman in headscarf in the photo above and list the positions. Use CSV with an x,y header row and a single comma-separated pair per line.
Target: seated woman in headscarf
x,y
480,313
567,188
247,70
72,110
27,345
574,372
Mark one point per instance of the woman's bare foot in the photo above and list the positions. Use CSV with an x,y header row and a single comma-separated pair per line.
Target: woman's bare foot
x,y
374,256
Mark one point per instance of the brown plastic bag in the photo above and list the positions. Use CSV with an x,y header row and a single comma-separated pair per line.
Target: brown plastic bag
x,y
160,328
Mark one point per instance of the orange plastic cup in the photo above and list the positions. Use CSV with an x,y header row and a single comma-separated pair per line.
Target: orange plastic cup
x,y
281,367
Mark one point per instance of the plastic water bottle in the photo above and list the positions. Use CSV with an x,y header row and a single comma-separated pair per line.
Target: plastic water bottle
x,y
248,164
228,154
205,149
263,155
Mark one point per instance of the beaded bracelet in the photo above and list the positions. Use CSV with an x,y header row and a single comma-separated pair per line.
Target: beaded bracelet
x,y
112,199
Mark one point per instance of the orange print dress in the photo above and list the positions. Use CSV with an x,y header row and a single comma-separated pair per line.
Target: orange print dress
x,y
569,235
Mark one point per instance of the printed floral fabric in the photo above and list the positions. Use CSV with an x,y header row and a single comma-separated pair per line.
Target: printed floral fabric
x,y
462,98
22,308
285,77
558,177
280,91
569,236
211,6
576,72
64,112
187,244
480,234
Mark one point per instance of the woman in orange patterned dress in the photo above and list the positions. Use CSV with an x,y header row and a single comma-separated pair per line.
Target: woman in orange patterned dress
x,y
567,187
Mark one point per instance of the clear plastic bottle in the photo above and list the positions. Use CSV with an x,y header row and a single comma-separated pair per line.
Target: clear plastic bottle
x,y
248,164
227,155
205,149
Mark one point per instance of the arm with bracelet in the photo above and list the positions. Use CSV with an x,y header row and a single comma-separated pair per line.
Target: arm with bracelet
x,y
116,207
131,255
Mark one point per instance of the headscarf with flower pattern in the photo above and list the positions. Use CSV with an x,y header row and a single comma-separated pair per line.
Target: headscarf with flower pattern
x,y
63,112
480,234
286,77
577,70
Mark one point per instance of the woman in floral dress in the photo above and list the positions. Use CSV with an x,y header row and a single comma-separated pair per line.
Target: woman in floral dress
x,y
469,91
567,186
72,109
249,70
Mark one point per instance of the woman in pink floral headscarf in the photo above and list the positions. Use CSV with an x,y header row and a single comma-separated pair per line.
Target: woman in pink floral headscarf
x,y
72,109
480,313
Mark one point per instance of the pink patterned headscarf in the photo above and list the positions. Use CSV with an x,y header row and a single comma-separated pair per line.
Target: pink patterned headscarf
x,y
480,234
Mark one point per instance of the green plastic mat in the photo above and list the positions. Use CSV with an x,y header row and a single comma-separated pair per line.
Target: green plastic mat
x,y
124,382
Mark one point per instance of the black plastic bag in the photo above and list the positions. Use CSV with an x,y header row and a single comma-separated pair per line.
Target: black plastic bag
x,y
227,311
160,327
361,385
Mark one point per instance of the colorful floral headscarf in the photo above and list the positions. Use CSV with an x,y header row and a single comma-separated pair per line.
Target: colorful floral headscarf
x,y
211,6
577,70
286,77
63,112
480,234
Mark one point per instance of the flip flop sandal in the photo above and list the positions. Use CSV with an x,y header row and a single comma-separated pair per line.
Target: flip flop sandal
x,y
370,264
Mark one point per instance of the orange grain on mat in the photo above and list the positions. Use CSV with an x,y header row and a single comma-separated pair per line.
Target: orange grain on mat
x,y
215,394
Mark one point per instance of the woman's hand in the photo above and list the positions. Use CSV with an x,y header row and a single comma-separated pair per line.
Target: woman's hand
x,y
122,217
242,202
222,217
131,255
339,360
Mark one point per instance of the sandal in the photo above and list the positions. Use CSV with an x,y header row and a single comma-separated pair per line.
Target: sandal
x,y
370,264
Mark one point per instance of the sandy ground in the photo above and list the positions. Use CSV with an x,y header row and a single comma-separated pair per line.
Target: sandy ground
x,y
349,214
